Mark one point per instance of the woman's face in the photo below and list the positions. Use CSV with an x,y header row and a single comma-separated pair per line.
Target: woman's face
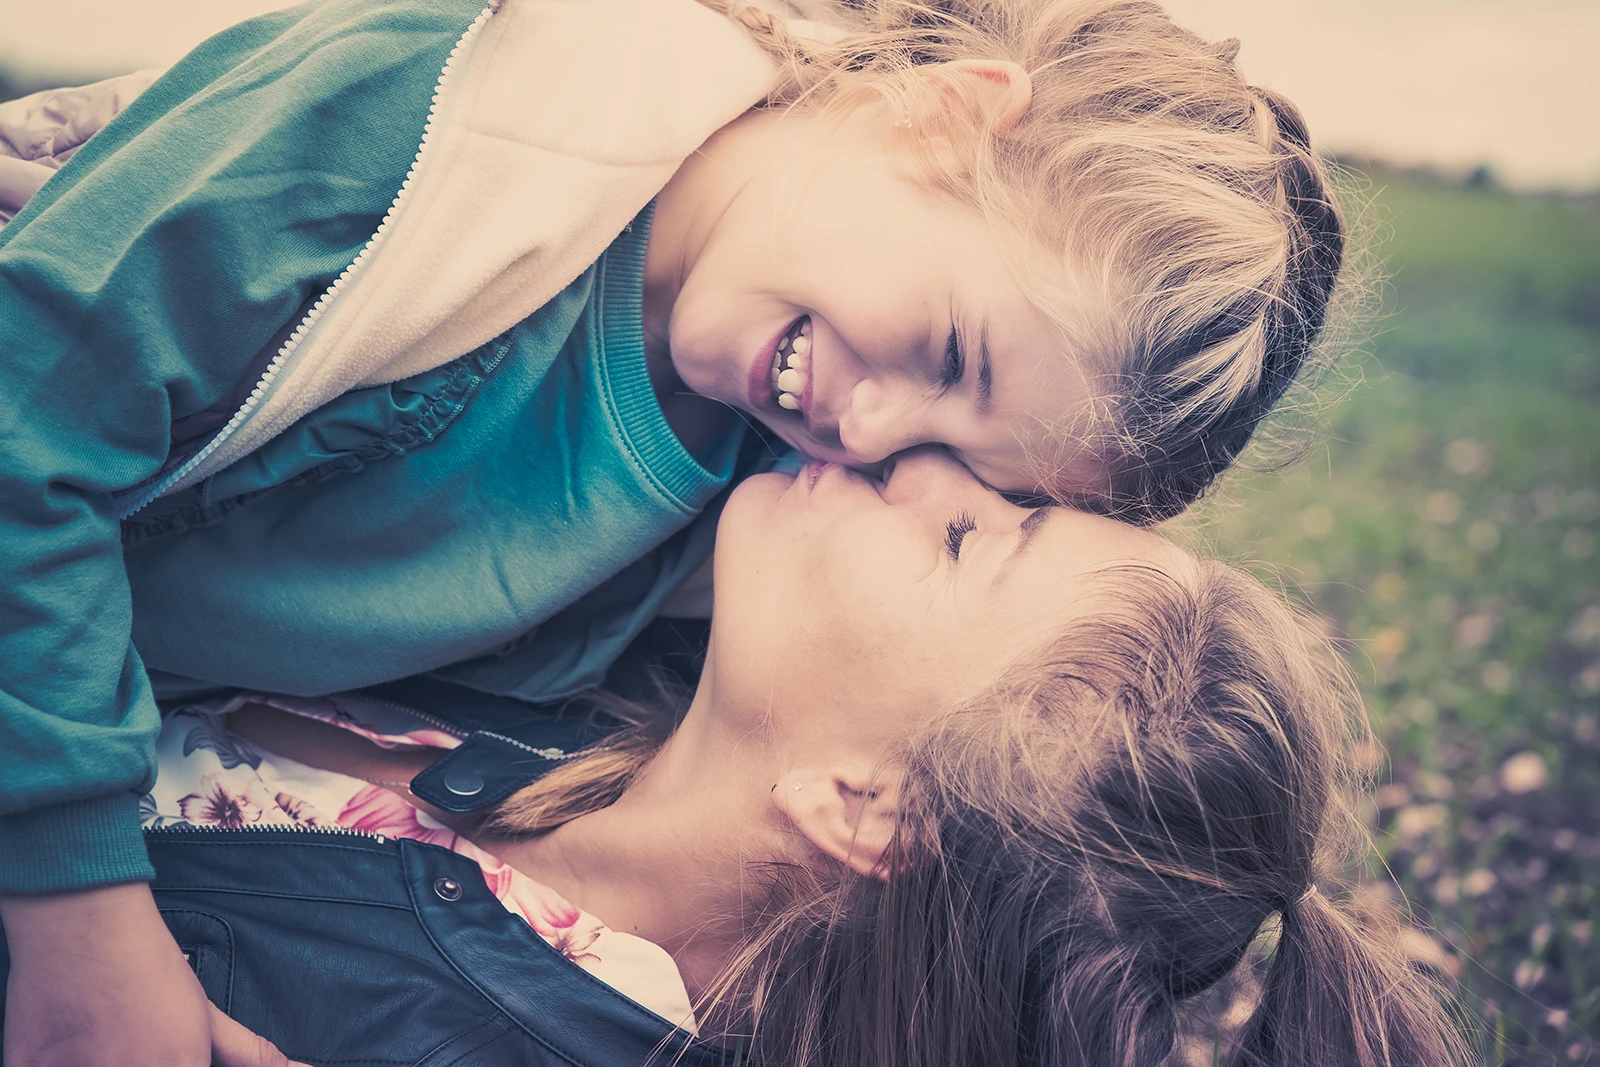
x,y
894,313
857,607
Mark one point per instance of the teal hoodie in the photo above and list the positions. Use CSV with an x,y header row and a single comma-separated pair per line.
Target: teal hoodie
x,y
508,519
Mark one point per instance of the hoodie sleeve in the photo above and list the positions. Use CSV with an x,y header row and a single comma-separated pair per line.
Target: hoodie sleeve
x,y
135,287
39,133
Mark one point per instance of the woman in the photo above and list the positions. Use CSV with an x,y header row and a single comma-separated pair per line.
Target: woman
x,y
961,784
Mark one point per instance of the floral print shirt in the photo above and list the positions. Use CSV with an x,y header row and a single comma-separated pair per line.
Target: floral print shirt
x,y
207,776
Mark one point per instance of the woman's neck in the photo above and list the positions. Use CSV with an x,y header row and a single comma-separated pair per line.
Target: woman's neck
x,y
667,860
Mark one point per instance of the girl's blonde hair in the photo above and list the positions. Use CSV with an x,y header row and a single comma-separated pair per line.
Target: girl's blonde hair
x,y
1080,850
1170,220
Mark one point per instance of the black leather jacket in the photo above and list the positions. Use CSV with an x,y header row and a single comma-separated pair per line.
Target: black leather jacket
x,y
352,950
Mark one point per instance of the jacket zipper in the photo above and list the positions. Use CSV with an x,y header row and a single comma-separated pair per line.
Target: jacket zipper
x,y
432,720
339,284
293,828
550,753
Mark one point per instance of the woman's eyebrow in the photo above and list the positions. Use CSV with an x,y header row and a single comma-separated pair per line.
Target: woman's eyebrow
x,y
1025,532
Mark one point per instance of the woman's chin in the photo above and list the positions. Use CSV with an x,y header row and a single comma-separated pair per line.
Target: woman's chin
x,y
748,525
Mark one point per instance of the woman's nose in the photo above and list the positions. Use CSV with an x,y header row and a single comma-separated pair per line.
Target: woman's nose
x,y
926,474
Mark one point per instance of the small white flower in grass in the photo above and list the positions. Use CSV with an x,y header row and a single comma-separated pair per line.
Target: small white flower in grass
x,y
1466,456
1524,773
1585,627
1421,949
1578,544
1415,821
1431,783
1474,631
1584,505
1317,521
1441,506
1497,676
1546,501
1478,882
1539,937
1388,587
1387,644
1527,974
1483,535
1393,795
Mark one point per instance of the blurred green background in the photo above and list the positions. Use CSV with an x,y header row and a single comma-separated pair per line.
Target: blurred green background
x,y
1444,522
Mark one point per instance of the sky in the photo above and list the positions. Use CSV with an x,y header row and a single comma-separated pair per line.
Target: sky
x,y
1449,83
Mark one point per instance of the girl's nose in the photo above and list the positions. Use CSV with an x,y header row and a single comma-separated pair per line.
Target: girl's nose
x,y
879,422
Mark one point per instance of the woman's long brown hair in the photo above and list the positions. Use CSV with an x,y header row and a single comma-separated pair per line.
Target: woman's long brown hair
x,y
1081,850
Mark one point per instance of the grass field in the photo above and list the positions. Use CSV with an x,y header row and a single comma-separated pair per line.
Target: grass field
x,y
1445,523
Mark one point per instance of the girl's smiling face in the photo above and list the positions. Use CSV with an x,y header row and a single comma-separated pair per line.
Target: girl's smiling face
x,y
798,245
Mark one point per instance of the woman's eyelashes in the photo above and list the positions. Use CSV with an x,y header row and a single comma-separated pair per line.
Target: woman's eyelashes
x,y
956,531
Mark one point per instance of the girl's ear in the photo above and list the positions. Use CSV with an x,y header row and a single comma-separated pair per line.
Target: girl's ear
x,y
997,90
848,812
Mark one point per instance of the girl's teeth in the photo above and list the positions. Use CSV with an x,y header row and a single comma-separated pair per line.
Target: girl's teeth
x,y
789,369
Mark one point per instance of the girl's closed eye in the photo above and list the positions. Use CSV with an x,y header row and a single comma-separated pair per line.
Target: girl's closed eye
x,y
956,531
955,361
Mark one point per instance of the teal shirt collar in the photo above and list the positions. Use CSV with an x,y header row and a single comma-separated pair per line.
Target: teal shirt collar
x,y
631,399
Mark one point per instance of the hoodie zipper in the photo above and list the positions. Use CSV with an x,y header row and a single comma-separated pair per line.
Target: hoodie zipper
x,y
320,308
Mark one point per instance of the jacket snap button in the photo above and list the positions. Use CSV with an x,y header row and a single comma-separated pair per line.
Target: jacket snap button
x,y
448,889
464,783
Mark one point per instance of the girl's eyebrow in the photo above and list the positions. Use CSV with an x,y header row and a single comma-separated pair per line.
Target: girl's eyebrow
x,y
985,369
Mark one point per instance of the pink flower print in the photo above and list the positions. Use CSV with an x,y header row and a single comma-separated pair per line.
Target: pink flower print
x,y
574,942
298,810
375,810
541,907
220,803
424,738
547,911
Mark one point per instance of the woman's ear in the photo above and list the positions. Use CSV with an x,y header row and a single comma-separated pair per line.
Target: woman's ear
x,y
848,812
994,89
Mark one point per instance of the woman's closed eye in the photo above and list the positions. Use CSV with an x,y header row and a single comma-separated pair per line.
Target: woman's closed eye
x,y
956,531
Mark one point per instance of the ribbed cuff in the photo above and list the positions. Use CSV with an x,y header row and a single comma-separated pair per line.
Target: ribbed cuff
x,y
642,424
73,846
